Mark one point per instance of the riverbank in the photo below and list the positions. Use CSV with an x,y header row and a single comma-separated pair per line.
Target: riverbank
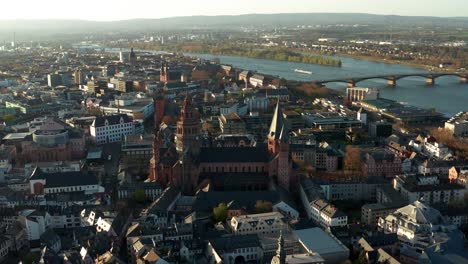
x,y
268,53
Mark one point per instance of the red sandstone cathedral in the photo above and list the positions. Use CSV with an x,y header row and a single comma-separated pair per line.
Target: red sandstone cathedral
x,y
188,165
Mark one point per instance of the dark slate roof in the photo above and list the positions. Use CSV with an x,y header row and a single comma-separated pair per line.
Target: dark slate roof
x,y
112,119
381,239
234,154
162,203
63,179
232,243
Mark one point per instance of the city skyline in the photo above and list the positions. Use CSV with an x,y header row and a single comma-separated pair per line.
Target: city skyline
x,y
122,10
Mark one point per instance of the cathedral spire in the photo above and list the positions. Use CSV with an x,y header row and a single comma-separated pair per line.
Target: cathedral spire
x,y
278,133
280,257
278,127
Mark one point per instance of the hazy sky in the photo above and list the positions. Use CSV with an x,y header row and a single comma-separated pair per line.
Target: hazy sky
x,y
127,9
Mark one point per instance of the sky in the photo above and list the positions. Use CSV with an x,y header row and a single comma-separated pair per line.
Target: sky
x,y
108,10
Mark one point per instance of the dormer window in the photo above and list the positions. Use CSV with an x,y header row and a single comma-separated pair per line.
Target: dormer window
x,y
106,123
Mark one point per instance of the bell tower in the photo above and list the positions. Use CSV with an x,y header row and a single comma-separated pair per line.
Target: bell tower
x,y
188,129
164,73
155,169
278,146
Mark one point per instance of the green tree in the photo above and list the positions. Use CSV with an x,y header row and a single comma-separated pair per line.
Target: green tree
x,y
139,196
220,213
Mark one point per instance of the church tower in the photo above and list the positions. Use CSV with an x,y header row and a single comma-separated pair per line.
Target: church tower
x,y
188,129
278,146
159,105
164,73
132,58
155,169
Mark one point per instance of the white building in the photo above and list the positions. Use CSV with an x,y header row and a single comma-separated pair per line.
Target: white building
x,y
107,129
417,225
359,94
266,224
412,187
137,106
257,80
326,214
257,103
458,124
62,182
35,222
430,147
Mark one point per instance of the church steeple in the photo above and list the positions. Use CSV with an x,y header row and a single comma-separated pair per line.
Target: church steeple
x,y
278,132
280,257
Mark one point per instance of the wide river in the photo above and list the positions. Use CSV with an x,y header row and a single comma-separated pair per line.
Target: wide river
x,y
448,95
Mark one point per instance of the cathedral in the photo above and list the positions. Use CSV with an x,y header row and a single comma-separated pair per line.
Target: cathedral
x,y
189,165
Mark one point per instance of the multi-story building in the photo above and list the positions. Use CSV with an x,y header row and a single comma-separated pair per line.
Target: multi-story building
x,y
257,104
138,107
381,163
114,128
152,190
63,182
231,124
330,121
327,158
136,151
458,124
361,94
52,141
266,224
257,80
432,188
36,222
234,249
326,214
417,225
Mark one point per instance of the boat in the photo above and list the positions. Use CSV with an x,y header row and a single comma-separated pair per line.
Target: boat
x,y
303,71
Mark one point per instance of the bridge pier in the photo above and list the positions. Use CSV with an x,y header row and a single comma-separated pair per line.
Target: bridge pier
x,y
351,83
391,82
430,80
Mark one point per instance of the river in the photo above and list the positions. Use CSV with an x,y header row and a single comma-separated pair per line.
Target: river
x,y
448,95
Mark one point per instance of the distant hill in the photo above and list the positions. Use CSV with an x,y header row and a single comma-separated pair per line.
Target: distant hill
x,y
52,27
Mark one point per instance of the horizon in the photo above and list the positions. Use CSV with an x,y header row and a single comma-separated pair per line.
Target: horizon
x,y
246,14
120,10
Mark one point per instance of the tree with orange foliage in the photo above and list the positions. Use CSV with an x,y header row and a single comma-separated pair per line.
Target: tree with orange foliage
x,y
352,160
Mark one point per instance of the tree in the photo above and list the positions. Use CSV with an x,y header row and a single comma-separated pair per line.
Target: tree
x,y
220,213
139,196
263,207
352,161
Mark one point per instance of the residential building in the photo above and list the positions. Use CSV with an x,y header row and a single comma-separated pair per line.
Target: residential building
x,y
114,128
234,249
432,188
458,124
380,163
231,124
326,214
266,224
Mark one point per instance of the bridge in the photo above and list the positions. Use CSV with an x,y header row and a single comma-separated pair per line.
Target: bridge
x,y
393,78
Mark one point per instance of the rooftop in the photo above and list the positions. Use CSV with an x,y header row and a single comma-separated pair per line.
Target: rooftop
x,y
317,240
